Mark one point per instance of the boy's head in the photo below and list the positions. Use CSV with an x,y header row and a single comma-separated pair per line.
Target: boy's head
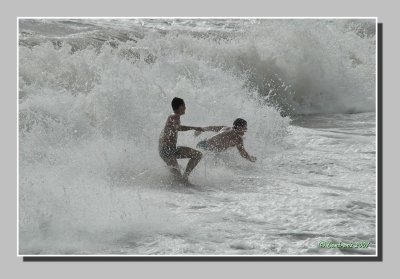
x,y
240,125
178,105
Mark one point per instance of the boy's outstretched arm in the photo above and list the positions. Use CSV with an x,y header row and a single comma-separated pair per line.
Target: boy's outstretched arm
x,y
244,153
209,129
187,128
213,128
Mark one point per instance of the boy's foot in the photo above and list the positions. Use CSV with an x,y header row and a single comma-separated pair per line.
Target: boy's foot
x,y
185,181
180,179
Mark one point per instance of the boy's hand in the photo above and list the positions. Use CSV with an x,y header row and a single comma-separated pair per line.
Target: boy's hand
x,y
253,159
196,133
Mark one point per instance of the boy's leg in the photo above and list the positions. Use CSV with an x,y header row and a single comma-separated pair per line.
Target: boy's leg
x,y
187,152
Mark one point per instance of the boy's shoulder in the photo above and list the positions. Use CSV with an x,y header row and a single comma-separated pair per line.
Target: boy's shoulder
x,y
236,136
174,116
230,133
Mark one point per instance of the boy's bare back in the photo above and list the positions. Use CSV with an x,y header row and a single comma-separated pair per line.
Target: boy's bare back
x,y
226,138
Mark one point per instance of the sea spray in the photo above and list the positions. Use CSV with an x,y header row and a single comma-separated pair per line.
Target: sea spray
x,y
89,124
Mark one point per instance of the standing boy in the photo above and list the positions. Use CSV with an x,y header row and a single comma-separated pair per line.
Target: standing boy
x,y
167,148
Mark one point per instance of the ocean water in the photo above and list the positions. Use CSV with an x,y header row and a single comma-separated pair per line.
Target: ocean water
x,y
94,95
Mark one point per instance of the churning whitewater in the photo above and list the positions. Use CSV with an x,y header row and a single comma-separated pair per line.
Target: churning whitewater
x,y
94,95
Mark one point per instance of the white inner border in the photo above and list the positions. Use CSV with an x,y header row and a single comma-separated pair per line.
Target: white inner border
x,y
205,256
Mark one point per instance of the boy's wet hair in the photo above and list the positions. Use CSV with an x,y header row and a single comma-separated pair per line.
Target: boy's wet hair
x,y
239,123
176,103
